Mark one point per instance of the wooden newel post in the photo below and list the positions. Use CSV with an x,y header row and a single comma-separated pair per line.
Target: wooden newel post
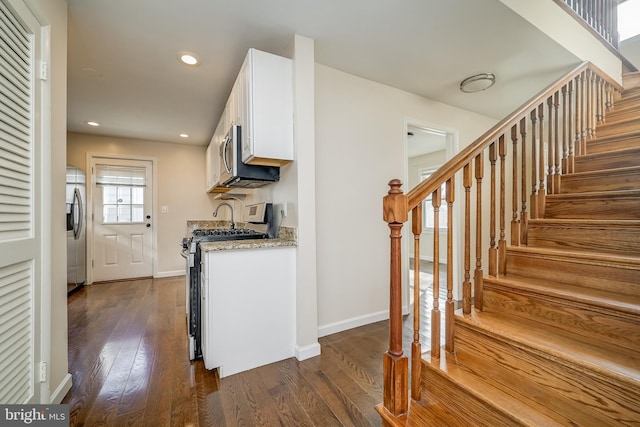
x,y
395,369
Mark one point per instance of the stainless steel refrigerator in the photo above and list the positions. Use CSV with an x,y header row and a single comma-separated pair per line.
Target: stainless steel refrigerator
x,y
76,228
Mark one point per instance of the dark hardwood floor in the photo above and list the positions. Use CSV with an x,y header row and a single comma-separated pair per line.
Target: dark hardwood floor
x,y
128,357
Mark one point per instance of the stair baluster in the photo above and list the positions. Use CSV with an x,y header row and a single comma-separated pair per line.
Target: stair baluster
x,y
542,171
550,165
478,273
556,144
502,243
436,199
523,175
466,285
493,250
578,110
416,347
534,166
450,306
515,223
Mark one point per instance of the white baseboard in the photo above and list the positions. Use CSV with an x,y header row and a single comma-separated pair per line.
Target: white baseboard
x,y
354,322
163,274
308,351
61,391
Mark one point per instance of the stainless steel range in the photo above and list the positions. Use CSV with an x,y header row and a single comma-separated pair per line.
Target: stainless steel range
x,y
192,253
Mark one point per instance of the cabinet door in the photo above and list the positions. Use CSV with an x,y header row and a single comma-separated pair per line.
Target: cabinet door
x,y
243,105
269,93
234,103
205,315
207,166
212,160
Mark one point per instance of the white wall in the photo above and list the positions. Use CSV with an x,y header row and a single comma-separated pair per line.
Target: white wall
x,y
552,20
630,48
181,187
360,128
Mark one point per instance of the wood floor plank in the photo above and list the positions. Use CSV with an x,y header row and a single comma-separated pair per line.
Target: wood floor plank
x,y
128,355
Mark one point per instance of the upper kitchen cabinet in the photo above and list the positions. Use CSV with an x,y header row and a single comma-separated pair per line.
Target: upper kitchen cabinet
x,y
212,160
264,91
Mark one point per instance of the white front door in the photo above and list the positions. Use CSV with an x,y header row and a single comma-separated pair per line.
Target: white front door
x,y
122,219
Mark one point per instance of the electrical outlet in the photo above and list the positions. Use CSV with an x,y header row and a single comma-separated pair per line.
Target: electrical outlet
x,y
164,209
284,210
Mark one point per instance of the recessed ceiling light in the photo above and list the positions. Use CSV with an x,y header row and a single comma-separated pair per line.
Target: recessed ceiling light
x,y
188,58
93,123
184,135
477,83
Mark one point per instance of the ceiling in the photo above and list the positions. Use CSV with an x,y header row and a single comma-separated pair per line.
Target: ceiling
x,y
123,71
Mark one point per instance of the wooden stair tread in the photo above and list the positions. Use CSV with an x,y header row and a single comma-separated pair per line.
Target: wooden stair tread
x,y
608,172
595,297
554,343
596,194
612,123
482,389
586,257
611,153
588,222
616,137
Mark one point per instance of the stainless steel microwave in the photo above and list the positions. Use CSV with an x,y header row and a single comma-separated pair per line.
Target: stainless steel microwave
x,y
234,173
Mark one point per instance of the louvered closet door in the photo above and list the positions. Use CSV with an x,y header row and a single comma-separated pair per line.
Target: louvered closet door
x,y
20,233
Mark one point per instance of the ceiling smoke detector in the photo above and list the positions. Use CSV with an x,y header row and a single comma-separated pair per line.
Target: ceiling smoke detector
x,y
477,83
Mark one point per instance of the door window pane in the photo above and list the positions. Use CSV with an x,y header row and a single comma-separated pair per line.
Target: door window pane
x,y
122,204
109,214
137,195
137,213
124,195
109,194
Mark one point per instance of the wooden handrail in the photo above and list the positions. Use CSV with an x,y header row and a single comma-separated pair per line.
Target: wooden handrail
x,y
428,186
539,157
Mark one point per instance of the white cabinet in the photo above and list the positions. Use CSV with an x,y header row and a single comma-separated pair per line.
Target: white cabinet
x,y
265,96
261,102
248,308
212,161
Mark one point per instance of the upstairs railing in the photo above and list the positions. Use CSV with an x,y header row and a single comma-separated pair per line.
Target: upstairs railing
x,y
600,15
546,134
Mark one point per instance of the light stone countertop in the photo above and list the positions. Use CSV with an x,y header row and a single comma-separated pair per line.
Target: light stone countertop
x,y
227,245
287,237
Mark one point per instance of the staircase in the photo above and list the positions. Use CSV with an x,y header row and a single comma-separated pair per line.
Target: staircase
x,y
557,342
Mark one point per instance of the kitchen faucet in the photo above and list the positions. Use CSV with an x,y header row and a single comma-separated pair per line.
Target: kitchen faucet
x,y
215,213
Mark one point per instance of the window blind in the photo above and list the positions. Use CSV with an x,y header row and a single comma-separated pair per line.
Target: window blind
x,y
120,175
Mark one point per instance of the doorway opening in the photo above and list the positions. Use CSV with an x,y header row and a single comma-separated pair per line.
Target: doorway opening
x,y
428,147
